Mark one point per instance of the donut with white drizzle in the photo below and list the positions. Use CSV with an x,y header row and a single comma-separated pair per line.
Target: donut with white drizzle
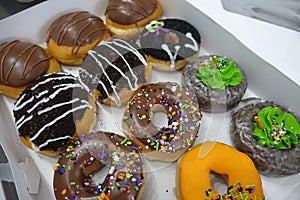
x,y
170,43
53,110
165,143
90,154
113,70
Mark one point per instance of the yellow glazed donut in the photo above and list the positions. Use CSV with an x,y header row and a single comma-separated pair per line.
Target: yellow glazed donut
x,y
194,167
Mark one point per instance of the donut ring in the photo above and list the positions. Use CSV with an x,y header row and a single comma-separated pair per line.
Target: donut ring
x,y
194,167
184,115
89,154
170,43
269,161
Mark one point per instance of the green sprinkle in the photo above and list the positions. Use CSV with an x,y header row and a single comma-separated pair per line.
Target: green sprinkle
x,y
123,141
128,175
129,142
56,164
192,127
69,167
118,184
144,116
130,103
136,188
72,183
125,117
152,143
131,153
157,145
70,147
104,190
69,156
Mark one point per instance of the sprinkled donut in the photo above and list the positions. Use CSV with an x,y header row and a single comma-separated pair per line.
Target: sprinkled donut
x,y
194,168
53,111
91,153
113,70
170,43
165,143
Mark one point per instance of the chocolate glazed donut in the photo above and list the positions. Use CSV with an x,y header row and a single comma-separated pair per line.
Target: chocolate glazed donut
x,y
22,62
88,155
269,161
165,143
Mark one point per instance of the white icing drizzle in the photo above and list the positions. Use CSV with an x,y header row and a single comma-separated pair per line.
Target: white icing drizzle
x,y
18,107
53,140
130,69
41,93
172,58
108,78
51,79
59,118
22,121
193,46
60,105
131,49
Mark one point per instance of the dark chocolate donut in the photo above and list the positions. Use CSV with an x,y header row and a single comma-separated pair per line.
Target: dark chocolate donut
x,y
213,99
170,41
90,154
48,112
269,161
111,68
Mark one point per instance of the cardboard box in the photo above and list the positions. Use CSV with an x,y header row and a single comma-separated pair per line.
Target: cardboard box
x,y
33,172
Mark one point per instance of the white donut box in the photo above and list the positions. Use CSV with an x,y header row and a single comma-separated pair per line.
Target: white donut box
x,y
268,53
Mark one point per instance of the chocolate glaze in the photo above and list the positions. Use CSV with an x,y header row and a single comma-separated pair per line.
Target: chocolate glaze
x,y
22,62
76,29
209,99
270,162
112,66
183,112
90,154
127,12
46,111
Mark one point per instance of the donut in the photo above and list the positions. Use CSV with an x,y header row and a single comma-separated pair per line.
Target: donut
x,y
269,133
126,19
72,35
194,168
168,142
113,70
21,63
90,154
52,111
170,43
219,82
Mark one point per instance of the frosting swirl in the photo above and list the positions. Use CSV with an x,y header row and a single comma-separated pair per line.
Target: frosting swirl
x,y
219,72
275,129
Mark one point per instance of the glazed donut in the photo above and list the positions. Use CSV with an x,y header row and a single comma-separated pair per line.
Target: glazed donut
x,y
195,166
90,154
20,64
113,70
269,133
126,19
72,35
52,111
170,43
219,82
165,143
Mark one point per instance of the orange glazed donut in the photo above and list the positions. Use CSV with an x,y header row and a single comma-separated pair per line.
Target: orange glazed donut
x,y
194,167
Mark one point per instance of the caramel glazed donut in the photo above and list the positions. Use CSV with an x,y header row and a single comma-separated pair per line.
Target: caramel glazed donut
x,y
90,154
183,112
113,70
279,152
194,168
53,110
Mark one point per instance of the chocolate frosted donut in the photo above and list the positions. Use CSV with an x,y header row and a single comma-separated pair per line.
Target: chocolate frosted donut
x,y
169,142
53,110
113,70
170,43
125,18
274,147
71,35
90,154
20,64
218,82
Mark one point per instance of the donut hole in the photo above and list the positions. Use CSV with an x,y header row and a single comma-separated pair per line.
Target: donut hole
x,y
219,182
159,116
99,176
